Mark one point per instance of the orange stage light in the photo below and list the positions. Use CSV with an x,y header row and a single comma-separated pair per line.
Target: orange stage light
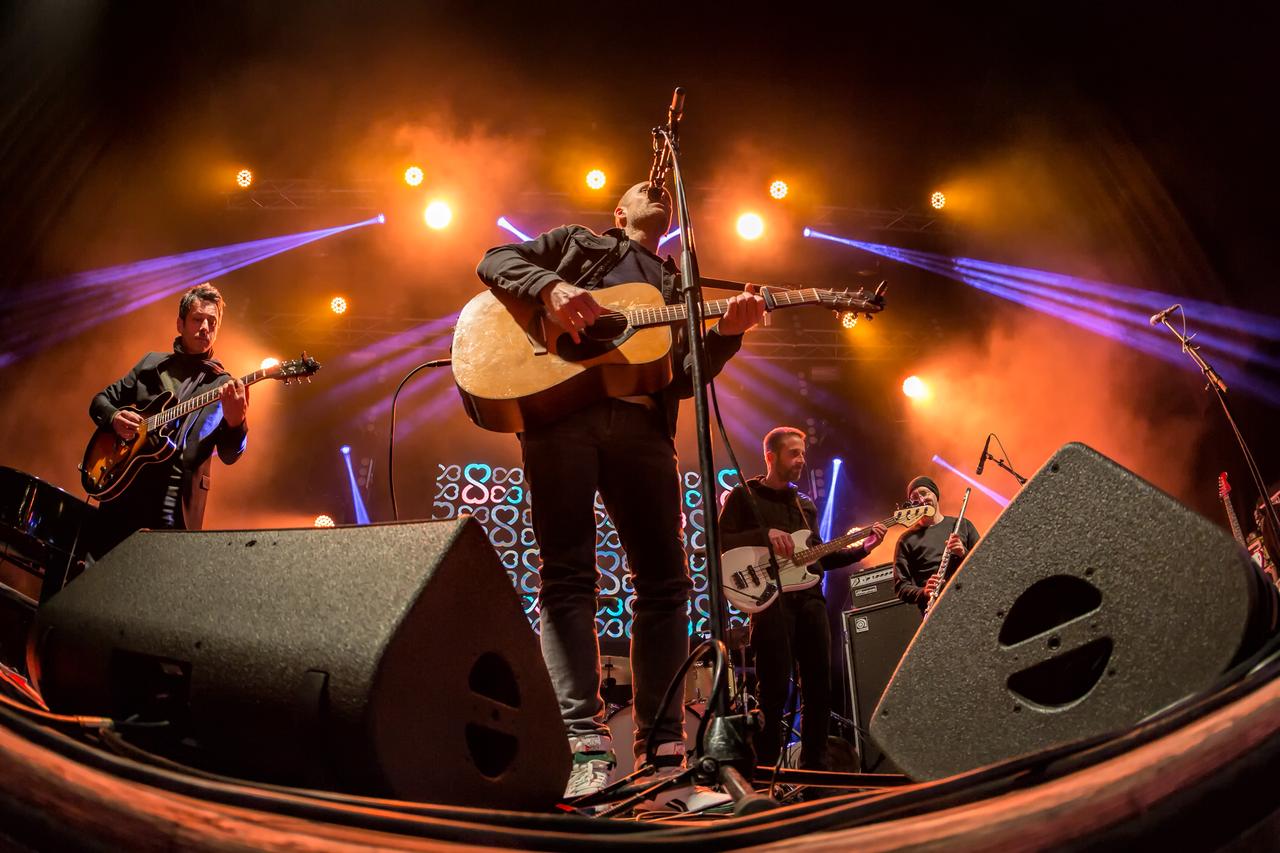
x,y
338,305
938,200
413,175
268,362
750,226
437,215
778,189
324,521
848,319
595,179
244,178
915,388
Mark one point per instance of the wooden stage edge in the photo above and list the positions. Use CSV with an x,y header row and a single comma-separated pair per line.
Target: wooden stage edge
x,y
77,801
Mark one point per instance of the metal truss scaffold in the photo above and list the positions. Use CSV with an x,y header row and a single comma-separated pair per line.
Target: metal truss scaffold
x,y
784,344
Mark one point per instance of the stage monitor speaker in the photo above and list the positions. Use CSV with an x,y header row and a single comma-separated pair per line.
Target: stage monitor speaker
x,y
875,638
1095,600
388,660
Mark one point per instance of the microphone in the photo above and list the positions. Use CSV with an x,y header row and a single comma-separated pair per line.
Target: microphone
x,y
983,461
676,111
662,151
1158,317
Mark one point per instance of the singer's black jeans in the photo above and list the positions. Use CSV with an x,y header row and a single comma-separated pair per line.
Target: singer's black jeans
x,y
623,451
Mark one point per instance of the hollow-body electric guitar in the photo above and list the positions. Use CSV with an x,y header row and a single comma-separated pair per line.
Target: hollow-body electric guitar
x,y
111,463
747,583
515,368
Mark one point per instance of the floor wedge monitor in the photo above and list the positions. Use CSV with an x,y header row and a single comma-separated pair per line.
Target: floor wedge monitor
x,y
1094,600
390,660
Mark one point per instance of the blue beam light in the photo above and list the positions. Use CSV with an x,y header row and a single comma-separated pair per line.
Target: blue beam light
x,y
48,313
1000,499
357,502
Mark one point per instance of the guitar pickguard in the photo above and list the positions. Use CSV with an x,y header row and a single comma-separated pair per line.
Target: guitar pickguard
x,y
588,348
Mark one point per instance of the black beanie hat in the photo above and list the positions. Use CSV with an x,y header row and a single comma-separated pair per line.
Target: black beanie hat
x,y
927,482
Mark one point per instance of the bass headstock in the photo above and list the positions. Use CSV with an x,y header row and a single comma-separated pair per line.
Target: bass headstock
x,y
912,513
1224,488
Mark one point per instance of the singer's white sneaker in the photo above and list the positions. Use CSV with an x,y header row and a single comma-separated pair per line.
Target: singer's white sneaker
x,y
593,760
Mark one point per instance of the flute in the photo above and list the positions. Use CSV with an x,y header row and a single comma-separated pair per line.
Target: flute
x,y
941,573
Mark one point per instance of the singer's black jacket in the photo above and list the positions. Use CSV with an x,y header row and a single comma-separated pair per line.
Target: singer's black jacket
x,y
919,553
580,256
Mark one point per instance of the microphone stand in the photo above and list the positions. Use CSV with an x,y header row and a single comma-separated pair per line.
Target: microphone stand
x,y
1271,524
1022,481
727,753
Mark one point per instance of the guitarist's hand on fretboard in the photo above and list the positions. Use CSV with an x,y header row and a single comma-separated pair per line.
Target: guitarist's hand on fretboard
x,y
234,397
744,311
875,537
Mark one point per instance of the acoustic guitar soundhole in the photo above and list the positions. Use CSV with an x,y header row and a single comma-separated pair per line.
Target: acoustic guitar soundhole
x,y
603,336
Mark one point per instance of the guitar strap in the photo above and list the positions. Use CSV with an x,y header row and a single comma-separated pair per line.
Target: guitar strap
x,y
597,271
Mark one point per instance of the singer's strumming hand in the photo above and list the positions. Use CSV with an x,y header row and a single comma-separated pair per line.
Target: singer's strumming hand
x,y
570,307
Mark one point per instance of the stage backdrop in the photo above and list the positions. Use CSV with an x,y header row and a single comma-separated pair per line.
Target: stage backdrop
x,y
498,498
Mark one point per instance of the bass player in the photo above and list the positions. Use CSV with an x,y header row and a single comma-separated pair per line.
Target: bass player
x,y
793,631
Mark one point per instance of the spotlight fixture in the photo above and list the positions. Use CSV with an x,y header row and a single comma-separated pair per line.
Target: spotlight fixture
x,y
323,521
244,178
750,226
413,175
938,200
915,388
848,319
345,450
778,189
437,215
338,305
595,179
268,363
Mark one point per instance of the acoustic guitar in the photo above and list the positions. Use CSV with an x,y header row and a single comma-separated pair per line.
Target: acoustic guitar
x,y
515,368
111,463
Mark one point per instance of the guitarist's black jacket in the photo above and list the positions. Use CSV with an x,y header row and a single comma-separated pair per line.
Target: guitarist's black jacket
x,y
171,493
580,256
787,510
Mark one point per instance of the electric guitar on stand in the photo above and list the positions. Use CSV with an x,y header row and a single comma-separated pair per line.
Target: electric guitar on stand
x,y
515,368
1224,492
747,581
111,463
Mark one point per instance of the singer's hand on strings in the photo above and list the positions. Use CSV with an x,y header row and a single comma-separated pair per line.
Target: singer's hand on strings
x,y
955,545
570,307
744,311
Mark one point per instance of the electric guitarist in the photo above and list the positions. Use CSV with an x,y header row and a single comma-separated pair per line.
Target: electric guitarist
x,y
794,629
172,494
